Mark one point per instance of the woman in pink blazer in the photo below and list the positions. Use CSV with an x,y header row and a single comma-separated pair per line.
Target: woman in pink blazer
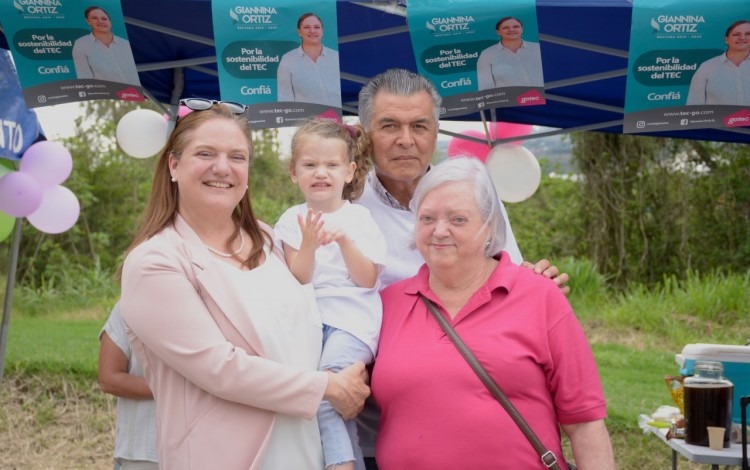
x,y
229,340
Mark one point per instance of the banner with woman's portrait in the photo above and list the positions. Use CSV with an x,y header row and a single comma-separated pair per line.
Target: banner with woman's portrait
x,y
479,53
72,50
280,58
689,65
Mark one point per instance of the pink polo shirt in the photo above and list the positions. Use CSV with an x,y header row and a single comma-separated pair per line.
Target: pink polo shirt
x,y
436,414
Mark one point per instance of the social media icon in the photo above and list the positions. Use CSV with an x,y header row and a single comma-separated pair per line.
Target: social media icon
x,y
280,120
41,99
683,122
640,124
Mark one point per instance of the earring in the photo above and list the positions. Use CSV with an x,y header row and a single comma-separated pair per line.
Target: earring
x,y
174,180
247,187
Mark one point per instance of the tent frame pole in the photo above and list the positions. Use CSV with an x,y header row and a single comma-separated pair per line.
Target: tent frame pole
x,y
15,247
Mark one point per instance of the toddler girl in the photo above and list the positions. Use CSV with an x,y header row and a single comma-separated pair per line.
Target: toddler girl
x,y
338,247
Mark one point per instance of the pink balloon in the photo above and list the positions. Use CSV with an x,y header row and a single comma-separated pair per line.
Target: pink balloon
x,y
458,147
181,113
58,212
48,162
504,130
20,194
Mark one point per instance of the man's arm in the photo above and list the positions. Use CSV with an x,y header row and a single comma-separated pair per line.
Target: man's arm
x,y
546,269
113,372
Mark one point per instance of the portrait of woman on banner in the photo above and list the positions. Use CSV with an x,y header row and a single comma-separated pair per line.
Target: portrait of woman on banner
x,y
310,72
101,54
511,62
725,79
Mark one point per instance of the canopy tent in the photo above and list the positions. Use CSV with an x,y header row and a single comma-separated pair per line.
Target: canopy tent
x,y
584,46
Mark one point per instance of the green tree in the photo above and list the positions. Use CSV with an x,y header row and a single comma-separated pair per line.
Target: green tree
x,y
550,223
113,190
272,189
657,207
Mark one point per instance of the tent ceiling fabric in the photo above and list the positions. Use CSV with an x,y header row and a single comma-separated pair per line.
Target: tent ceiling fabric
x,y
584,48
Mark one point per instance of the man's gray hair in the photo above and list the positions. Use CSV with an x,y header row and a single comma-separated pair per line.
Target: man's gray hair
x,y
399,82
472,171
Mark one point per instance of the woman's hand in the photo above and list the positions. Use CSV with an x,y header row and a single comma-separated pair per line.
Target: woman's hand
x,y
592,448
347,390
545,268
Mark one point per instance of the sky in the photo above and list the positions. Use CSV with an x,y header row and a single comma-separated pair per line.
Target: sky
x,y
58,121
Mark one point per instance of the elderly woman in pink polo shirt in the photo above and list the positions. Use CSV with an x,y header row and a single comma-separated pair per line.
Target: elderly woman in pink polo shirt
x,y
436,413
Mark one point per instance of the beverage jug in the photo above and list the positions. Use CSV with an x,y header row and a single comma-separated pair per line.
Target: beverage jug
x,y
708,402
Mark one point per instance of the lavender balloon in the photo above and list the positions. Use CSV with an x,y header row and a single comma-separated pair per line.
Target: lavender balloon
x,y
48,162
20,194
58,212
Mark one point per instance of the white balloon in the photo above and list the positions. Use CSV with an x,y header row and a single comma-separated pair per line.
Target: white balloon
x,y
142,133
515,172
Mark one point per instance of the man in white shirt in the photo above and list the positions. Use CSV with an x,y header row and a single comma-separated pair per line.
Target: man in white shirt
x,y
121,375
400,110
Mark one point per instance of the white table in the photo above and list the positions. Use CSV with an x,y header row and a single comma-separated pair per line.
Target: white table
x,y
729,457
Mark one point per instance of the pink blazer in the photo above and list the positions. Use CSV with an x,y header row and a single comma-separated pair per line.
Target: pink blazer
x,y
216,396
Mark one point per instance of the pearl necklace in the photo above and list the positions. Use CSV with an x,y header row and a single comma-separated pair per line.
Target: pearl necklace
x,y
228,255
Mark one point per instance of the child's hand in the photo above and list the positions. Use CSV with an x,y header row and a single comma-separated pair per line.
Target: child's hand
x,y
312,229
336,234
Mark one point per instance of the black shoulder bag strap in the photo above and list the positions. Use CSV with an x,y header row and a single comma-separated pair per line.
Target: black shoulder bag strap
x,y
548,457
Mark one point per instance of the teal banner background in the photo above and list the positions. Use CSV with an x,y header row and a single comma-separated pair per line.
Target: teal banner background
x,y
250,41
41,37
668,42
447,37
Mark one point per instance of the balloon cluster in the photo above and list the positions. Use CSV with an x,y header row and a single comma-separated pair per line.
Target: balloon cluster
x,y
513,168
35,191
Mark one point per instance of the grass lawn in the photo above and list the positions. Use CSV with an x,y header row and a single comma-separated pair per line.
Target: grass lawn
x,y
52,408
52,414
39,345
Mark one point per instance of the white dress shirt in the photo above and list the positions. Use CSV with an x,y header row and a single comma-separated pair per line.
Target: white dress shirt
x,y
303,80
499,67
719,81
93,59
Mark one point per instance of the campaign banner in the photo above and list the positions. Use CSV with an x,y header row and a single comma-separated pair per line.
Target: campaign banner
x,y
19,126
480,54
70,50
281,59
689,66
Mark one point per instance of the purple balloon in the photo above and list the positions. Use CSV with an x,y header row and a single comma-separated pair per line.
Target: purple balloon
x,y
20,194
49,162
58,212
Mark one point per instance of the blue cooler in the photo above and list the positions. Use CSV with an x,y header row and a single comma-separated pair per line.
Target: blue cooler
x,y
736,361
